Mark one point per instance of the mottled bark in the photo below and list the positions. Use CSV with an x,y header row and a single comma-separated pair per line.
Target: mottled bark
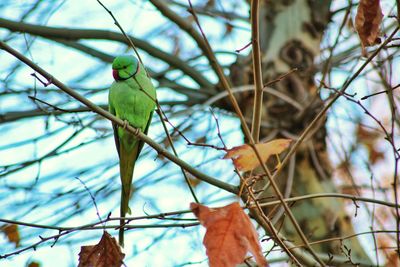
x,y
290,36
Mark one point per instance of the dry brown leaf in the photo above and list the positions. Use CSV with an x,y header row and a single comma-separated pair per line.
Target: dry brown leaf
x,y
33,264
245,159
368,20
392,258
107,253
12,234
229,236
370,140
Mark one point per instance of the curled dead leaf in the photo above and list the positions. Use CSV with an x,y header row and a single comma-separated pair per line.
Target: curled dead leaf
x,y
245,159
229,236
12,233
368,20
33,264
107,253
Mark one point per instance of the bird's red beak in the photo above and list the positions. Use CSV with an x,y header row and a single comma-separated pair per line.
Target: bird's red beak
x,y
115,74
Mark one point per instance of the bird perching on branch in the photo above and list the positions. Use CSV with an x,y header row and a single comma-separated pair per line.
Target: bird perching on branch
x,y
132,98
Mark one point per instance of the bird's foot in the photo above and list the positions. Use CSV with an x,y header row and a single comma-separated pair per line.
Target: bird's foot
x,y
126,124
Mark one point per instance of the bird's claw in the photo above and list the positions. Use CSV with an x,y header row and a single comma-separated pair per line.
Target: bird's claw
x,y
125,125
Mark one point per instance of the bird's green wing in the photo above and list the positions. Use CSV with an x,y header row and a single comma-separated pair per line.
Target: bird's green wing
x,y
116,138
111,109
146,130
143,82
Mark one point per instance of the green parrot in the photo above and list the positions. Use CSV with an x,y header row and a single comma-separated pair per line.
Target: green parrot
x,y
132,99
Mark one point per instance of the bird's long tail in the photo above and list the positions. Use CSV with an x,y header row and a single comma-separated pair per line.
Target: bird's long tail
x,y
127,165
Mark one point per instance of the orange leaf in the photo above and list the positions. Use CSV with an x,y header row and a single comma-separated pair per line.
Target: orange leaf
x,y
33,264
245,159
392,258
229,236
105,253
368,19
11,231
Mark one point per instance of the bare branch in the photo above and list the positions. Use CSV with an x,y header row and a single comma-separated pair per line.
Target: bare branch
x,y
70,34
109,116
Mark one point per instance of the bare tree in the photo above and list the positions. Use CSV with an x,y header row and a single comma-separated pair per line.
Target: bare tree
x,y
227,73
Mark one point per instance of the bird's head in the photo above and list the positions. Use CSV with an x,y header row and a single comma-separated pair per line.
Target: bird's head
x,y
125,67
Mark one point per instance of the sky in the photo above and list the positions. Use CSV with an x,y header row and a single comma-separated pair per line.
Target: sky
x,y
58,174
157,190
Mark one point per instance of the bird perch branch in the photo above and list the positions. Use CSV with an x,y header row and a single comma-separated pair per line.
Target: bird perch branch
x,y
198,174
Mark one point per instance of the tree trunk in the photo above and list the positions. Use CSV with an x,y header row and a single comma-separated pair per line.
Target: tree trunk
x,y
290,36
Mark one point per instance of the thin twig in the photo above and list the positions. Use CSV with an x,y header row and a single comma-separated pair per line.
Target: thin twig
x,y
187,140
332,195
243,48
257,71
381,92
123,32
92,197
